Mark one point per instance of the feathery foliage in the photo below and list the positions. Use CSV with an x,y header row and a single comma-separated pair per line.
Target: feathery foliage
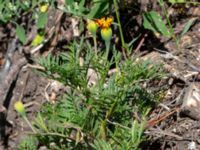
x,y
97,115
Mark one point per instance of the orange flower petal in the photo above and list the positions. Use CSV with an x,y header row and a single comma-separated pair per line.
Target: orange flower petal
x,y
104,22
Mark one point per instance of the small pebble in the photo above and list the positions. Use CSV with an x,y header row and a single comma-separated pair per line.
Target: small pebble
x,y
192,146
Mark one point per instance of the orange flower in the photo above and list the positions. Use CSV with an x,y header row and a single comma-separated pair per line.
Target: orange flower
x,y
104,23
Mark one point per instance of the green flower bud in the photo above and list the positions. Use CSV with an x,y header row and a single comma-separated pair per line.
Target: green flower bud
x,y
106,34
92,27
19,107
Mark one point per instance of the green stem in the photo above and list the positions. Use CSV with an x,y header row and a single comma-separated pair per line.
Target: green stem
x,y
170,26
95,45
103,129
107,48
29,124
55,134
119,24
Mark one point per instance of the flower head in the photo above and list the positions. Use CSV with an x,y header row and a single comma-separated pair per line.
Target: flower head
x,y
44,7
104,23
92,27
37,40
106,34
19,107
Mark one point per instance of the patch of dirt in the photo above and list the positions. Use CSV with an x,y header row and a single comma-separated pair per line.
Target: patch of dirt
x,y
29,88
20,81
168,127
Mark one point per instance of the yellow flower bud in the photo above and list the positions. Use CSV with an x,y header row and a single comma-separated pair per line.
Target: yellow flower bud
x,y
37,40
106,34
44,7
92,27
19,107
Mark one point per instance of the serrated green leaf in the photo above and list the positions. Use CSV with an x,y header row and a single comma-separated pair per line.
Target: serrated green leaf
x,y
98,9
69,2
42,20
154,22
20,32
187,26
147,24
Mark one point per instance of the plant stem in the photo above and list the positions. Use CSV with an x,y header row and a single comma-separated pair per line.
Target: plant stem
x,y
119,23
56,134
170,26
95,45
103,129
29,124
107,48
